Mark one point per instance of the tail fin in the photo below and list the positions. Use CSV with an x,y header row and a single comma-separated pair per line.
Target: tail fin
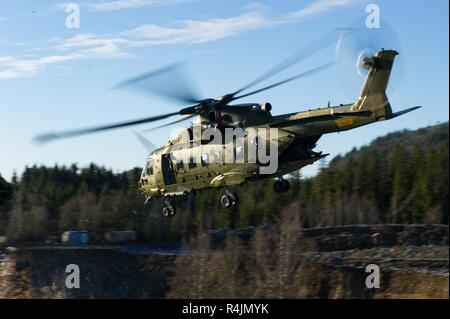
x,y
373,94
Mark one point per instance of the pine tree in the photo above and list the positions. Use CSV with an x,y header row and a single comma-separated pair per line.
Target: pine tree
x,y
400,186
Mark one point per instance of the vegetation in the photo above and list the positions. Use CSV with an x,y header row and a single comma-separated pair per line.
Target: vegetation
x,y
400,178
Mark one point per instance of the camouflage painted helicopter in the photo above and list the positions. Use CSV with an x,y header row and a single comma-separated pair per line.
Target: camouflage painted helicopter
x,y
190,162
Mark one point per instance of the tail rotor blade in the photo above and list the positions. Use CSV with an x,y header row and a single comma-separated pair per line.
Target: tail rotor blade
x,y
365,43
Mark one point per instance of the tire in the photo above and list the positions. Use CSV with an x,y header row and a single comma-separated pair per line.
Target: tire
x,y
226,201
278,187
172,211
166,212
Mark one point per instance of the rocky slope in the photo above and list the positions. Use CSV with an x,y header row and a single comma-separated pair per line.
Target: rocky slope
x,y
413,261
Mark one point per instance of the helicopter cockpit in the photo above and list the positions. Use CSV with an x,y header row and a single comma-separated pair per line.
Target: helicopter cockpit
x,y
238,115
147,172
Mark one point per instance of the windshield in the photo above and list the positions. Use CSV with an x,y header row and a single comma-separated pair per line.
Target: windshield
x,y
148,168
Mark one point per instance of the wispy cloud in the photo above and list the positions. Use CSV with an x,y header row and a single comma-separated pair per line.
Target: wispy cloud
x,y
13,67
199,31
191,31
92,45
181,32
128,4
120,45
320,6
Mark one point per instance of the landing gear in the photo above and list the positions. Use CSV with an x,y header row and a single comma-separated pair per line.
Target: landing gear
x,y
229,199
281,186
168,210
225,200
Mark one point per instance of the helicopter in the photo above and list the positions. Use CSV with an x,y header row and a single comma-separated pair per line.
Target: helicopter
x,y
194,161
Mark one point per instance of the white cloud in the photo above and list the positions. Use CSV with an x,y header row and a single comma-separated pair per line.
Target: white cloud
x,y
189,31
198,31
128,4
9,74
90,45
13,67
320,6
182,32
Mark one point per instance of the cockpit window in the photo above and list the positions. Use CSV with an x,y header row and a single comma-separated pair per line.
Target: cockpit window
x,y
190,133
149,167
227,118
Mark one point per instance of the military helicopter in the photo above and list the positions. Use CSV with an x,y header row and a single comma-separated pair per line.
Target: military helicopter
x,y
190,162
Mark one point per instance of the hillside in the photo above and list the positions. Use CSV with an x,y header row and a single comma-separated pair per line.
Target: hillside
x,y
435,135
399,178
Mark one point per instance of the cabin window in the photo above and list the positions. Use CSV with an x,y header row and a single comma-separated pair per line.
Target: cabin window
x,y
239,153
205,160
255,141
180,165
192,163
217,157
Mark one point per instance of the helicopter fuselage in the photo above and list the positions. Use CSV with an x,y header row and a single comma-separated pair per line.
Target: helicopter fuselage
x,y
205,166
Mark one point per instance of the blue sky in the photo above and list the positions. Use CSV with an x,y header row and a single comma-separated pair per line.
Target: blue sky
x,y
54,78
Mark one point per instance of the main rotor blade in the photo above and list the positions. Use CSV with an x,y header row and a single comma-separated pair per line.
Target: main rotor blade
x,y
58,135
310,72
169,81
149,146
184,118
316,46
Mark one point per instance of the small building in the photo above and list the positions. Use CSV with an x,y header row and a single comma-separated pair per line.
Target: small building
x,y
120,237
75,237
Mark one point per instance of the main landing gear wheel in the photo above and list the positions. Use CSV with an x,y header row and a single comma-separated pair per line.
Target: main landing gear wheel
x,y
281,186
168,210
229,199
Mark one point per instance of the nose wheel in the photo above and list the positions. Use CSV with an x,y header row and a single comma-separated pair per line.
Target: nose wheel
x,y
281,186
168,209
229,199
